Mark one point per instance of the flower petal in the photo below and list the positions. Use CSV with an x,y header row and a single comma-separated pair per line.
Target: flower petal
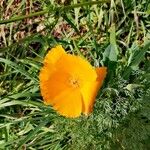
x,y
77,67
48,76
54,54
101,74
69,103
49,62
90,89
56,84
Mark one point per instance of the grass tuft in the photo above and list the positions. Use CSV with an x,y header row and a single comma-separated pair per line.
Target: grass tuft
x,y
112,33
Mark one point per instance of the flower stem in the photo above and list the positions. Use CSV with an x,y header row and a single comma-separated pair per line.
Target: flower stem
x,y
51,10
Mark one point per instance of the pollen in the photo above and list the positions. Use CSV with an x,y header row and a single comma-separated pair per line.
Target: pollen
x,y
74,82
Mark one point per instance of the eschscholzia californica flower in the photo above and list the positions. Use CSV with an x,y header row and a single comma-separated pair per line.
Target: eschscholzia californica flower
x,y
69,83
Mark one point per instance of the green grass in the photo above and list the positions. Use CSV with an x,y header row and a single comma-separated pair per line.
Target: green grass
x,y
115,34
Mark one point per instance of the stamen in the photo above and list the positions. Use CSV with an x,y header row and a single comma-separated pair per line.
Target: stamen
x,y
74,82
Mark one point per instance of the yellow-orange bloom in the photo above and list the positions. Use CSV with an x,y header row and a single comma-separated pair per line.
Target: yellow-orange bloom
x,y
69,83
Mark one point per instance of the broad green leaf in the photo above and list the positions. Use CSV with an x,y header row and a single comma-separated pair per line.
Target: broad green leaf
x,y
138,57
111,52
135,59
113,43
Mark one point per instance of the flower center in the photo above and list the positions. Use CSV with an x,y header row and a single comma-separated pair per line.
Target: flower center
x,y
74,82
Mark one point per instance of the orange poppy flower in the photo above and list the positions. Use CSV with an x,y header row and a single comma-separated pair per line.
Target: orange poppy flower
x,y
69,83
